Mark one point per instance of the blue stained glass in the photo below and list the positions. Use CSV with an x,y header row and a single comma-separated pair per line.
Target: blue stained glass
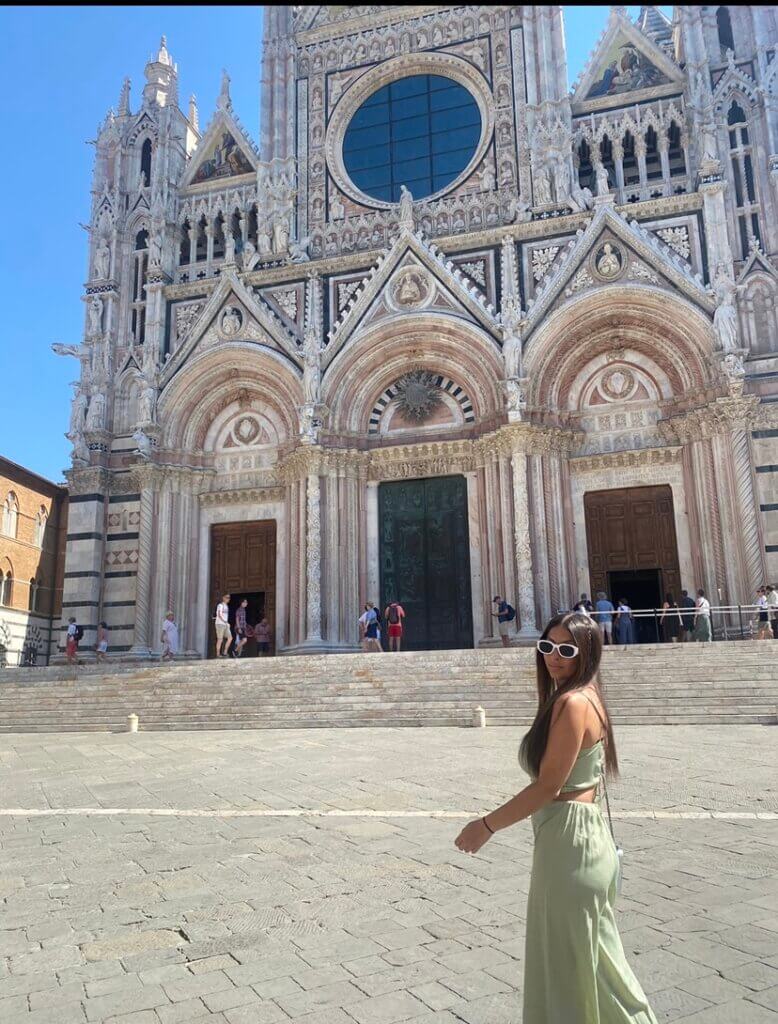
x,y
421,132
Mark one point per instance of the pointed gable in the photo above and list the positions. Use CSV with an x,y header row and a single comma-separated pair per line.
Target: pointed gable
x,y
625,61
612,251
234,312
224,152
413,277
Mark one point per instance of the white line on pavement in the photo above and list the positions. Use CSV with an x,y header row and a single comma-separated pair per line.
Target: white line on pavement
x,y
263,812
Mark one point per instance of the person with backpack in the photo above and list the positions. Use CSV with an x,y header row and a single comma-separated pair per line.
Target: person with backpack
x,y
505,614
394,615
72,638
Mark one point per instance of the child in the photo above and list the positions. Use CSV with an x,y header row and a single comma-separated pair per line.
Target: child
x,y
102,641
169,638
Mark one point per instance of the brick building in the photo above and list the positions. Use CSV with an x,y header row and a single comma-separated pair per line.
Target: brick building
x,y
33,519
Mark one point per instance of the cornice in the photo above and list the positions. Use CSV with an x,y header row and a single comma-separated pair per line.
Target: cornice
x,y
722,416
365,22
257,495
626,460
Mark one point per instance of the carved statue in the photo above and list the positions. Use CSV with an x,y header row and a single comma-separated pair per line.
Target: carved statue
x,y
488,179
406,208
95,316
733,365
542,185
601,177
280,232
229,248
516,399
250,257
80,451
264,242
77,414
143,442
708,145
561,179
511,354
517,210
147,404
155,251
95,417
311,368
298,251
103,260
725,317
609,263
582,197
337,209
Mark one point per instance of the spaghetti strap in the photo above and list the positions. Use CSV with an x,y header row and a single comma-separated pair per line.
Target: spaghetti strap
x,y
597,712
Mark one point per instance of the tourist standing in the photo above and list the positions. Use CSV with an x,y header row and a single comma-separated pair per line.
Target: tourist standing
x,y
368,622
262,636
394,615
772,607
73,635
670,620
575,970
101,648
169,637
584,606
603,614
505,614
222,624
687,617
702,629
624,628
241,634
764,633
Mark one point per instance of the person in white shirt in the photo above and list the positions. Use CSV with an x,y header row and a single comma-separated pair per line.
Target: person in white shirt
x,y
772,606
764,633
169,638
222,624
702,628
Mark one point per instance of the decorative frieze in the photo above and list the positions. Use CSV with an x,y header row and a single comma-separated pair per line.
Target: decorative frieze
x,y
723,415
643,458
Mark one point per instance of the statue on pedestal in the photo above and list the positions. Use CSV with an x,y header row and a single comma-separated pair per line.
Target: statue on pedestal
x,y
405,219
103,260
95,316
725,321
95,417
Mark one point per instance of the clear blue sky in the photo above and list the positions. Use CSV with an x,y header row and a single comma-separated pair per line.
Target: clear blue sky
x,y
62,69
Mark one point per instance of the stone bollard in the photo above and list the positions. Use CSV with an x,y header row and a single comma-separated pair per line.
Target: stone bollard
x,y
132,723
479,718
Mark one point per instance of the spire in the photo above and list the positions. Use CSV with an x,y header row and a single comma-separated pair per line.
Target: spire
x,y
313,307
653,23
224,102
124,99
161,74
194,117
163,57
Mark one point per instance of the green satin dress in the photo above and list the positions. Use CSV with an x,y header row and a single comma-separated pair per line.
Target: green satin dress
x,y
575,970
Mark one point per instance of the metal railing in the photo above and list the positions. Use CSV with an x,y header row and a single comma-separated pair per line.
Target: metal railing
x,y
728,622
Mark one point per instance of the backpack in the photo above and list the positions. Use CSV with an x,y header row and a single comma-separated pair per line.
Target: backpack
x,y
79,633
394,615
511,612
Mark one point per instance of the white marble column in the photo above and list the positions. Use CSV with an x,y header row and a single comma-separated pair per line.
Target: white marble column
x,y
313,560
523,550
373,568
143,578
539,537
748,511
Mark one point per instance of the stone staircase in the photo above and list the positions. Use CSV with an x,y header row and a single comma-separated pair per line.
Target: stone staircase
x,y
652,684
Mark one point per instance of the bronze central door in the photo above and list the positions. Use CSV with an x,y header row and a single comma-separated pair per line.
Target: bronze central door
x,y
424,552
243,563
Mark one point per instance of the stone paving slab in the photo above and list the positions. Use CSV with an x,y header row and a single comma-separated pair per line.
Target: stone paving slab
x,y
375,917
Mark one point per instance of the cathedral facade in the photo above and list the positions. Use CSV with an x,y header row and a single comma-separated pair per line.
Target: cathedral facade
x,y
450,331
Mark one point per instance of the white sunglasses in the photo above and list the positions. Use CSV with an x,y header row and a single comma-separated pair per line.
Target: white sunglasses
x,y
565,650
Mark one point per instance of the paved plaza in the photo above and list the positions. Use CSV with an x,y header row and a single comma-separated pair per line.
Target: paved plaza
x,y
311,876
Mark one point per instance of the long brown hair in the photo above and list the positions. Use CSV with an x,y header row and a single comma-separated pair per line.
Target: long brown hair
x,y
588,639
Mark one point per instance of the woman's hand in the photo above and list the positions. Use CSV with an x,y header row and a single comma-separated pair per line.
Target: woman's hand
x,y
473,836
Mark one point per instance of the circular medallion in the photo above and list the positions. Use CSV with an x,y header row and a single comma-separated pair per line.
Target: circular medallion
x,y
617,384
417,395
231,322
608,262
410,289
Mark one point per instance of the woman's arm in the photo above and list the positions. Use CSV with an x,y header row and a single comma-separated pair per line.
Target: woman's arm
x,y
564,743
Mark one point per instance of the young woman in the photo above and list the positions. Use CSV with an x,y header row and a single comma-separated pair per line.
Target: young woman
x,y
241,634
765,633
102,642
574,965
670,620
623,629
